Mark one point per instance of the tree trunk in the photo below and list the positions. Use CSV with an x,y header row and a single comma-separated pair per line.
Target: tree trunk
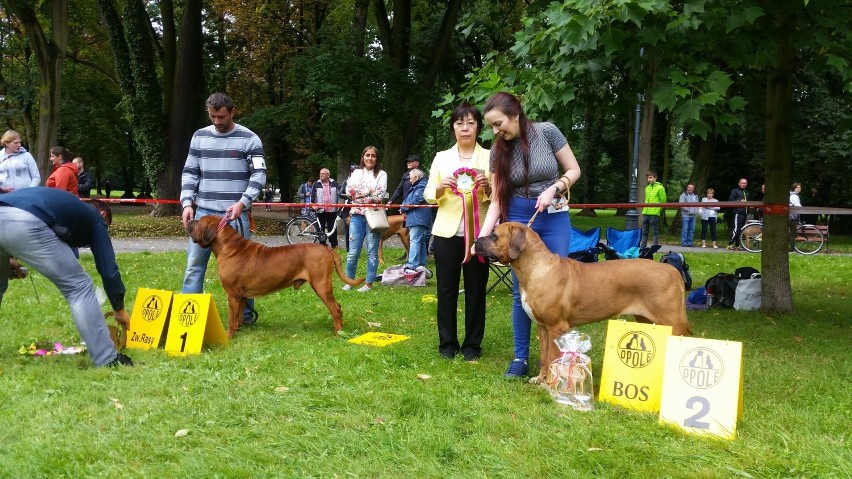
x,y
777,296
50,54
187,102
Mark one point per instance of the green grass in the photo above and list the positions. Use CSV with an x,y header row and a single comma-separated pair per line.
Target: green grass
x,y
356,411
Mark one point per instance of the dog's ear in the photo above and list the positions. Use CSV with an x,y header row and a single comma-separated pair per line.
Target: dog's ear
x,y
517,240
208,236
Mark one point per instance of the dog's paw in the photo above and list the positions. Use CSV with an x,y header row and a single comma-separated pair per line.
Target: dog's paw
x,y
537,380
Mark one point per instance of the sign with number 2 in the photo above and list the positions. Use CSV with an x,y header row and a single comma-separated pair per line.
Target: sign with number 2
x,y
703,386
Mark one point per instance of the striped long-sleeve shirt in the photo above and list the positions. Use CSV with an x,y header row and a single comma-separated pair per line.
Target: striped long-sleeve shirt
x,y
222,169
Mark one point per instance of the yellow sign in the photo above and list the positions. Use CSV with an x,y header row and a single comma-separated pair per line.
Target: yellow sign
x,y
149,318
378,339
194,322
632,374
703,386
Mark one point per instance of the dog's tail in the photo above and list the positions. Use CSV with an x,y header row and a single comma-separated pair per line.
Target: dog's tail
x,y
342,274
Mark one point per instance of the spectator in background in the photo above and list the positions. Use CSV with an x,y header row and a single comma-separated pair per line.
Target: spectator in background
x,y
794,218
654,193
418,220
344,212
268,195
708,218
304,194
85,183
18,168
401,191
688,215
64,176
107,188
738,194
365,186
326,192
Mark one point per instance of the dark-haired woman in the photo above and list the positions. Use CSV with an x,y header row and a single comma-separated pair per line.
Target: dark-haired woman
x,y
462,168
365,185
64,176
526,159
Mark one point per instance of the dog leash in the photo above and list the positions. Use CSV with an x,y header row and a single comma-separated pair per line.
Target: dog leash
x,y
530,222
225,220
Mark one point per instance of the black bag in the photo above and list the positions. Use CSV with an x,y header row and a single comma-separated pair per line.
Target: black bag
x,y
745,272
677,260
722,290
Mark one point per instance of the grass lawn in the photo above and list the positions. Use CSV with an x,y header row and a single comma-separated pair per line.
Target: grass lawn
x,y
288,399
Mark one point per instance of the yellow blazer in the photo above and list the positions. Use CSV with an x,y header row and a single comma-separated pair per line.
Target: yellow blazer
x,y
450,205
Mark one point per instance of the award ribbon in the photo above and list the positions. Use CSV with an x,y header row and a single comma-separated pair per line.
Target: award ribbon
x,y
466,189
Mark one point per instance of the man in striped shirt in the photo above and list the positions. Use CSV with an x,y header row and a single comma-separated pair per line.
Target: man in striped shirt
x,y
224,173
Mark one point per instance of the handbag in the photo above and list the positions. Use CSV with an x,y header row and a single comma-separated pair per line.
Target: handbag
x,y
748,293
377,219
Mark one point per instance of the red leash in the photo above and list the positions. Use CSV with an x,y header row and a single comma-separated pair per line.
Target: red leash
x,y
225,220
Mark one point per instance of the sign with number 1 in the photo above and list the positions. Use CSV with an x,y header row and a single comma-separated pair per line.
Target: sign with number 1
x,y
194,322
703,386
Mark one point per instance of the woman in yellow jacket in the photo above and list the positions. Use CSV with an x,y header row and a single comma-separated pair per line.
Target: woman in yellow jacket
x,y
459,183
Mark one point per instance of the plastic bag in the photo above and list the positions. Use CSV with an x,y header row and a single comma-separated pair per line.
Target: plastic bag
x,y
569,377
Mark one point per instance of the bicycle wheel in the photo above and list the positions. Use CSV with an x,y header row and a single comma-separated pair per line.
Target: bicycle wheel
x,y
809,240
301,230
751,237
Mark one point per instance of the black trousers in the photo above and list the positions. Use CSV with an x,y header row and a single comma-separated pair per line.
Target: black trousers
x,y
449,253
326,220
739,222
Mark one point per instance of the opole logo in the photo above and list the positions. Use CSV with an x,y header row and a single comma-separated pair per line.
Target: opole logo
x,y
152,308
701,368
636,349
188,313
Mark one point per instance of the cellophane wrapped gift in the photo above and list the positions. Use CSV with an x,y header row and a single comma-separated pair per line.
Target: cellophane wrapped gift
x,y
569,377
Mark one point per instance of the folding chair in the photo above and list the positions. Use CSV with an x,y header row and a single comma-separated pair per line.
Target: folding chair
x,y
584,245
502,273
625,244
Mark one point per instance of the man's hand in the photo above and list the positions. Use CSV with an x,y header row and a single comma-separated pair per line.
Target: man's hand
x,y
235,210
122,318
186,216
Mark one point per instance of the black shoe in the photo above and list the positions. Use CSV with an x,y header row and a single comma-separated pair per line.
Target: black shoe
x,y
250,317
448,354
470,356
120,360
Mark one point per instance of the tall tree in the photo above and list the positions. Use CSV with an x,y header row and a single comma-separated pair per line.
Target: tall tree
x,y
49,45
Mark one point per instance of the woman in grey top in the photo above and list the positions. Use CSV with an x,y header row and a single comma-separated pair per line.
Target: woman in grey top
x,y
525,161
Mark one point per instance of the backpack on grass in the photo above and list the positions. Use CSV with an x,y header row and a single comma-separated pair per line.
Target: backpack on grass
x,y
677,260
722,290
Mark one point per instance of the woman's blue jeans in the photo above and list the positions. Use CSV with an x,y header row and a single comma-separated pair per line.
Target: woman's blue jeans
x,y
358,230
555,231
417,245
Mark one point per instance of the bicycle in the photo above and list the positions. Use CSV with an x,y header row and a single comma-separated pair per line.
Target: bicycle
x,y
809,239
307,229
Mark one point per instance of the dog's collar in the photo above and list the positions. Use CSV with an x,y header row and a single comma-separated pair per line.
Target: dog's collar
x,y
225,220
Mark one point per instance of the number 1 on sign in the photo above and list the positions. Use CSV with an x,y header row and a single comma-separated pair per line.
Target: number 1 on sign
x,y
183,341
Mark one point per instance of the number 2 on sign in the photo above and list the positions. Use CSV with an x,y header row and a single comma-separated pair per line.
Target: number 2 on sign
x,y
693,421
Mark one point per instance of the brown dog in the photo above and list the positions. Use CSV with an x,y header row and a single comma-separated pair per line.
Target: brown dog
x,y
249,270
560,293
396,227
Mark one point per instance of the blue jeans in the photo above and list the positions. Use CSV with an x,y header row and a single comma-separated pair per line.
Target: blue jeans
x,y
417,245
358,230
197,257
28,238
687,230
555,231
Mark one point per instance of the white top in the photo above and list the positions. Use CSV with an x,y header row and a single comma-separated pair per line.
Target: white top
x,y
708,212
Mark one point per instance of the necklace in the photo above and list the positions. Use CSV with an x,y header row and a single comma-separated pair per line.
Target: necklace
x,y
465,157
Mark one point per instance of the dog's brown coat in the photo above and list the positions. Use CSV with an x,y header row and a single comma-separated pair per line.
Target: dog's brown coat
x,y
249,270
563,293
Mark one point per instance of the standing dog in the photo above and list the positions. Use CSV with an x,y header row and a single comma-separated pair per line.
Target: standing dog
x,y
559,293
396,228
249,270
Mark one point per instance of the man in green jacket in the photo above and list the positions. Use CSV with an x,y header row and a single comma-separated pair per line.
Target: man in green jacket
x,y
654,193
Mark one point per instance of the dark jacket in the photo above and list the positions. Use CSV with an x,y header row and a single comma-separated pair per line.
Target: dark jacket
x,y
401,191
85,183
77,224
738,194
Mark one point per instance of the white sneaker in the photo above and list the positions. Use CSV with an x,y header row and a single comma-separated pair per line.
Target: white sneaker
x,y
420,269
346,287
364,289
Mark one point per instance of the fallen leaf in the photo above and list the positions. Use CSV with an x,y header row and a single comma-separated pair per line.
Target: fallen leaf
x,y
798,339
380,420
374,325
282,389
182,433
595,449
117,404
423,377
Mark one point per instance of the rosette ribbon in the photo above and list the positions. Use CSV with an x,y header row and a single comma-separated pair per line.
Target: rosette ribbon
x,y
466,188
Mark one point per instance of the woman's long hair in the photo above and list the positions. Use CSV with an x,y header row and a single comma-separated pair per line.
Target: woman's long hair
x,y
376,168
61,152
510,106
